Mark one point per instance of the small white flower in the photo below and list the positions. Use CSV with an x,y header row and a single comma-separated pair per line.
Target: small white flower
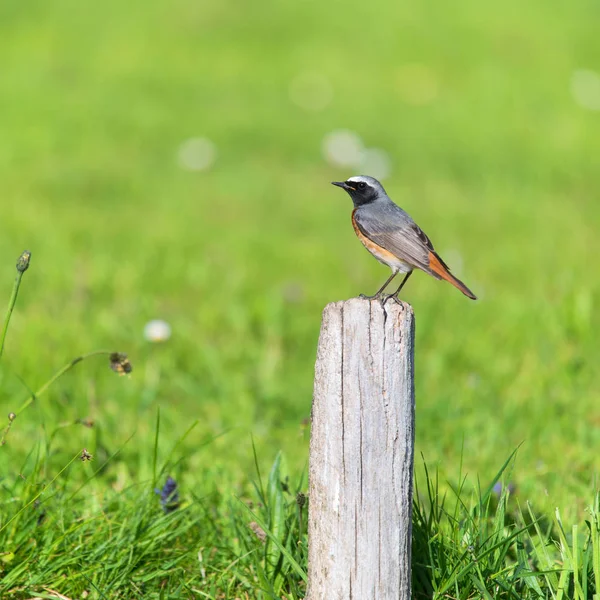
x,y
196,154
157,331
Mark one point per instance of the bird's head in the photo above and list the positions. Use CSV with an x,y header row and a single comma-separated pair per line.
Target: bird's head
x,y
362,189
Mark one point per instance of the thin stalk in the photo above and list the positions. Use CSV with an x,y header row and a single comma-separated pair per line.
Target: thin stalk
x,y
118,363
22,266
58,375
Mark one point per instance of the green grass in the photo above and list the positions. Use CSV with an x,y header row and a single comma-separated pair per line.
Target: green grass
x,y
498,166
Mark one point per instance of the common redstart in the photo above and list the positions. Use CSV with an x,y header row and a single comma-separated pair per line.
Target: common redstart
x,y
392,237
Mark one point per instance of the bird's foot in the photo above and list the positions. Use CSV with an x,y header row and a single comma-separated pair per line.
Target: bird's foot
x,y
393,297
373,297
379,296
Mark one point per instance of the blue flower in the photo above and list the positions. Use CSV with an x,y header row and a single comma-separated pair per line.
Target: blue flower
x,y
169,496
499,488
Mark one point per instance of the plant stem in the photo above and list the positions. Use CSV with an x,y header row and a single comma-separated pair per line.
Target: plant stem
x,y
59,374
22,266
34,395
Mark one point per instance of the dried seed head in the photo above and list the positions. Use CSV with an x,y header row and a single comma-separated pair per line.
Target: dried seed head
x,y
120,364
85,455
258,531
23,262
300,499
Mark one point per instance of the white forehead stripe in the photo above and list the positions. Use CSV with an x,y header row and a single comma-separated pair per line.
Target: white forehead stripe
x,y
358,178
370,181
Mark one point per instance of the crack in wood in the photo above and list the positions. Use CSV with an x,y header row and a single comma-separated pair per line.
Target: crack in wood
x,y
361,454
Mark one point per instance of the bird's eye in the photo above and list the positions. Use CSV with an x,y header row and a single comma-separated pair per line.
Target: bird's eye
x,y
362,185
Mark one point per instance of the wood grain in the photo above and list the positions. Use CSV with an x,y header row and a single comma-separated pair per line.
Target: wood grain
x,y
361,453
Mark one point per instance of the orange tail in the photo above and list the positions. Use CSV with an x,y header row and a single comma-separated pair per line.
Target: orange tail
x,y
440,269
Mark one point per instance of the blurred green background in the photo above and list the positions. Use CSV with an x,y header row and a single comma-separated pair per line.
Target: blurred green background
x,y
489,118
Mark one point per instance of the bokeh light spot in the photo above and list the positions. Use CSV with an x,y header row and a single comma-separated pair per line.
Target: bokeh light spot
x,y
376,163
311,91
585,88
196,154
343,148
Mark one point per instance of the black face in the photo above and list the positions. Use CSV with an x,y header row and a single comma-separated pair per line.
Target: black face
x,y
360,191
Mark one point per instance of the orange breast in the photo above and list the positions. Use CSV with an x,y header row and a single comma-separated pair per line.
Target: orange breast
x,y
381,254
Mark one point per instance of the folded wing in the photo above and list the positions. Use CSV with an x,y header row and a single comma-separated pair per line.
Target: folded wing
x,y
393,229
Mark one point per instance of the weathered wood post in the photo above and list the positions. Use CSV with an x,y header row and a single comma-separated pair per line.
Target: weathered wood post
x,y
361,453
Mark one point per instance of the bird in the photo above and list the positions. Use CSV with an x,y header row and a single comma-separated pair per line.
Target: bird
x,y
392,237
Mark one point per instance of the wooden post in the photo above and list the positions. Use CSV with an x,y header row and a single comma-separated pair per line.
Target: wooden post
x,y
361,453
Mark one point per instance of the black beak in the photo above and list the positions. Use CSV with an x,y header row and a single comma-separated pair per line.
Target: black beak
x,y
341,184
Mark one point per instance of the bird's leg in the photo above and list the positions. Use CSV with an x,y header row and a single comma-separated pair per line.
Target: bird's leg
x,y
395,294
378,294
